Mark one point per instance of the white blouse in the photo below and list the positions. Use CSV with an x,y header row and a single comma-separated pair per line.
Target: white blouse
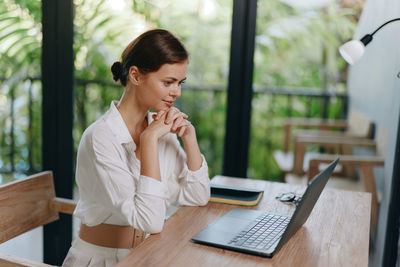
x,y
111,188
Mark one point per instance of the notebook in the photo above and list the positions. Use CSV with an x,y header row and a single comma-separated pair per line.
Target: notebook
x,y
260,233
235,195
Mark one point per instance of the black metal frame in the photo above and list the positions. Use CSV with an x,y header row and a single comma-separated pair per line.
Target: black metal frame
x,y
240,88
57,114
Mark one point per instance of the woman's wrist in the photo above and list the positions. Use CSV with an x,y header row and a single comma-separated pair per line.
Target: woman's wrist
x,y
149,155
147,136
190,136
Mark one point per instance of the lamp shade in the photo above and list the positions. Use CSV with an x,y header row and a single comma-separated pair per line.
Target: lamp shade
x,y
352,51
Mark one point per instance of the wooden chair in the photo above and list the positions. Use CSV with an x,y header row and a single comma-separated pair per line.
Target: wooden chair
x,y
356,127
343,145
26,204
365,164
29,203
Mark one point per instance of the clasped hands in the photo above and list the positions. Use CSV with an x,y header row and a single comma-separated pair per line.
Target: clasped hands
x,y
171,120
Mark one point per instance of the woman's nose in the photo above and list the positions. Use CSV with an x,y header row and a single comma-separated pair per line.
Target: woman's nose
x,y
176,92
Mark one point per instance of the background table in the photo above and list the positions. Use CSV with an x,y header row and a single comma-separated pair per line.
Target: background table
x,y
335,234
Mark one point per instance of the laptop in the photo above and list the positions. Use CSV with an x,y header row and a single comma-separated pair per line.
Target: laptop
x,y
260,233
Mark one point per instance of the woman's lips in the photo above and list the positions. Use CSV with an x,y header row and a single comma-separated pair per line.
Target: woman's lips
x,y
169,103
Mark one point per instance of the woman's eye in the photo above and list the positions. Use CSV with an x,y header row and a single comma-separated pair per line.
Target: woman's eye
x,y
167,83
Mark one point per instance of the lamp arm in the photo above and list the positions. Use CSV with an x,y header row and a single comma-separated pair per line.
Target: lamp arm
x,y
387,22
353,50
368,37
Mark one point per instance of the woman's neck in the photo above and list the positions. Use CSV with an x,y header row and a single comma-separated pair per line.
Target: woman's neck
x,y
133,114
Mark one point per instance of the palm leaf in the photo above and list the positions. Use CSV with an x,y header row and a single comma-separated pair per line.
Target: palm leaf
x,y
21,43
17,31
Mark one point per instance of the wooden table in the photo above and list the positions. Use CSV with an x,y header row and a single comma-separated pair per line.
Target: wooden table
x,y
335,234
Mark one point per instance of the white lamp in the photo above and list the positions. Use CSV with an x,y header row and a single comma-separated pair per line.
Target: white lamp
x,y
354,49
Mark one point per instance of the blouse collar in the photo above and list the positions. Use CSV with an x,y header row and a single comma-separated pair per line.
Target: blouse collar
x,y
117,124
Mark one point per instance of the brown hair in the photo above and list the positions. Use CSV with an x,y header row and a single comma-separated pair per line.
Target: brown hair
x,y
149,52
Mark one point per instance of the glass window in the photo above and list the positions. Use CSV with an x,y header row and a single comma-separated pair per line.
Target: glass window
x,y
20,89
296,71
103,29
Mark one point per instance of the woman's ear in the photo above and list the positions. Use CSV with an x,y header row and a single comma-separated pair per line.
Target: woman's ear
x,y
134,75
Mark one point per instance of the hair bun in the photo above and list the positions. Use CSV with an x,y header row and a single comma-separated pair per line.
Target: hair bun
x,y
116,70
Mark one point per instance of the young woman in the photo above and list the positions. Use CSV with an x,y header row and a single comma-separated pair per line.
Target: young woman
x,y
130,165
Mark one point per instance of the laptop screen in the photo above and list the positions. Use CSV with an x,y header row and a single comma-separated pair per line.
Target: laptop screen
x,y
307,202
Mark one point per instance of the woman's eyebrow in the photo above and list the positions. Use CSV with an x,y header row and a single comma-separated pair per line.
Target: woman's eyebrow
x,y
175,79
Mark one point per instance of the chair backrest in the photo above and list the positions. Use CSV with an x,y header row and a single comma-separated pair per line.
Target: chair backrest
x,y
25,205
359,125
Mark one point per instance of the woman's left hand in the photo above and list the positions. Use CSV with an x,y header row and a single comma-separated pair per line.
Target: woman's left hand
x,y
185,130
182,128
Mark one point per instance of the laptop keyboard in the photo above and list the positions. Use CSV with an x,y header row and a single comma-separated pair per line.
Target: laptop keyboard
x,y
262,233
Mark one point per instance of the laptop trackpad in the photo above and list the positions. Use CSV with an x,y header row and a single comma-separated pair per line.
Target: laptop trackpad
x,y
223,230
230,224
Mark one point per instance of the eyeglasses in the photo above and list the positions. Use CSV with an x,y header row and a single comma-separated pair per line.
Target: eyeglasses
x,y
289,197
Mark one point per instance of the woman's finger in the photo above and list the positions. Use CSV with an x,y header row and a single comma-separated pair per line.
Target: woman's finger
x,y
182,128
182,131
159,114
178,122
172,112
179,125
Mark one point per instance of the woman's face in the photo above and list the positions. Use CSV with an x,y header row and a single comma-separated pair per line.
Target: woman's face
x,y
158,90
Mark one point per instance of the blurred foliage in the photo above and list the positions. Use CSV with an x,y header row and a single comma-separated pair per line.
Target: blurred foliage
x,y
298,47
20,51
295,48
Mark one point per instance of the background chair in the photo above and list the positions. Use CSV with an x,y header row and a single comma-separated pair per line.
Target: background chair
x,y
357,126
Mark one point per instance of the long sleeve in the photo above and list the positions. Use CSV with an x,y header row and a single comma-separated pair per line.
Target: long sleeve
x,y
110,189
193,186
